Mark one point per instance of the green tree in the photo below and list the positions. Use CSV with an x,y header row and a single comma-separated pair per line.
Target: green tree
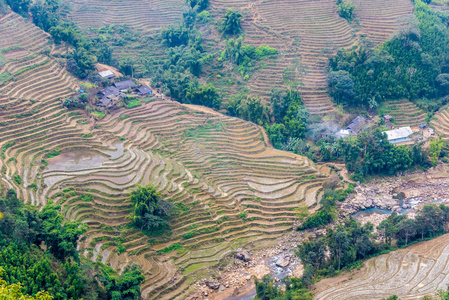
x,y
20,6
252,109
206,95
276,134
340,246
175,36
149,209
341,86
406,229
266,289
124,287
307,276
199,4
60,237
345,10
231,22
436,145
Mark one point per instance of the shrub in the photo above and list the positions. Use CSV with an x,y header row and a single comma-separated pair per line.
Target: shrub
x,y
345,10
231,22
150,210
320,218
17,179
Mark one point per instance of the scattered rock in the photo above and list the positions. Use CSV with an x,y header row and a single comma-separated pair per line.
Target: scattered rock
x,y
396,209
243,255
215,285
283,261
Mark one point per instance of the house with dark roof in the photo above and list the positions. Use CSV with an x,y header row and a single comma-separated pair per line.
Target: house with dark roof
x,y
124,85
353,127
110,91
144,90
105,102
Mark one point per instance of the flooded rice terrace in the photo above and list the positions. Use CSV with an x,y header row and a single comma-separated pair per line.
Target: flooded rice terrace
x,y
79,160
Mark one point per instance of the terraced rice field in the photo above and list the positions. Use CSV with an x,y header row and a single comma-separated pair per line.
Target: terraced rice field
x,y
305,32
141,15
411,273
27,71
440,122
379,18
405,113
231,189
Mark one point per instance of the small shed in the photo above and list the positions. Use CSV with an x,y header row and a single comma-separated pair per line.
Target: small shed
x,y
124,85
144,90
343,133
388,118
399,135
106,74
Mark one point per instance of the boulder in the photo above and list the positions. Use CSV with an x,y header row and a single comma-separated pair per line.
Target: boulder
x,y
243,255
283,261
215,285
396,209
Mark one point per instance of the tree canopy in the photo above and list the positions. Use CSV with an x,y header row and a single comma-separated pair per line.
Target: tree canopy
x,y
231,22
150,211
411,65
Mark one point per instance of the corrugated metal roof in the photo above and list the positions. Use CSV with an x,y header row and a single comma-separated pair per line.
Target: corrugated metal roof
x,y
399,133
106,73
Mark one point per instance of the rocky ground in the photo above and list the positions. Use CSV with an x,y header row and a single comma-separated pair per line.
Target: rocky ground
x,y
236,279
402,194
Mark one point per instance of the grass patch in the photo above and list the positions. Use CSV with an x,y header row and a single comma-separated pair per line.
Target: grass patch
x,y
133,103
17,179
170,248
5,147
5,77
196,267
54,152
98,114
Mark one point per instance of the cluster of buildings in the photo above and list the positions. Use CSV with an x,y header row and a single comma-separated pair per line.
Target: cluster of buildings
x,y
111,95
394,136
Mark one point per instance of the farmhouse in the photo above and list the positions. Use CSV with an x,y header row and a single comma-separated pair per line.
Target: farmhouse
x,y
124,85
105,102
144,90
399,135
106,74
353,127
108,92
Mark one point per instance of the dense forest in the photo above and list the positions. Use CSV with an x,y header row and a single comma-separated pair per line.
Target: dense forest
x,y
38,258
413,65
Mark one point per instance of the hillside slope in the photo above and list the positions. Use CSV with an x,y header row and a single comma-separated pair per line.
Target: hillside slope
x,y
305,32
410,273
231,189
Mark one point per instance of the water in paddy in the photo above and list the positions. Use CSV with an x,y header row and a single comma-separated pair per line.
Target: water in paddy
x,y
76,160
83,159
